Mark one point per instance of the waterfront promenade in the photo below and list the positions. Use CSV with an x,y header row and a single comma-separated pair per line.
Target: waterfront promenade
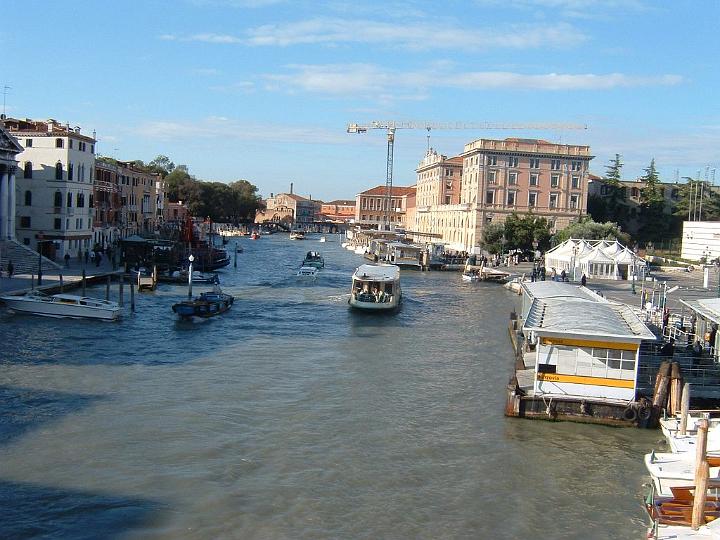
x,y
71,275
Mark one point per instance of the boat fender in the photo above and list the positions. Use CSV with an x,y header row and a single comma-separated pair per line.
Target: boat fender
x,y
644,413
690,268
630,414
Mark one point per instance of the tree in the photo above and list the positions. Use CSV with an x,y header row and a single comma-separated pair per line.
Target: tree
x,y
162,165
521,232
493,237
615,205
654,222
589,229
690,197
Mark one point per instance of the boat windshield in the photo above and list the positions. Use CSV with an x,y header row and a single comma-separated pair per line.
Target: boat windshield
x,y
372,291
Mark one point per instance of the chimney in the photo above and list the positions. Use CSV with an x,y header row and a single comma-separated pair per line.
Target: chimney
x,y
291,188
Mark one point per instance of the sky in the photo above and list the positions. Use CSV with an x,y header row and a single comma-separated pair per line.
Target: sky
x,y
263,90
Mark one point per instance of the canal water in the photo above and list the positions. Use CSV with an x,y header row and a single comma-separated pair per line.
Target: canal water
x,y
292,417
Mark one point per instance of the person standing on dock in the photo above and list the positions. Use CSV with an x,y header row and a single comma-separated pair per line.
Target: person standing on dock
x,y
583,280
67,260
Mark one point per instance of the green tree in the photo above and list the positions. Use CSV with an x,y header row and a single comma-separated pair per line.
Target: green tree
x,y
690,197
493,237
654,222
615,205
162,165
522,231
589,229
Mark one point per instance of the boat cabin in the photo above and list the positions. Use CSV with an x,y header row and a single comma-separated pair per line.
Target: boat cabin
x,y
376,284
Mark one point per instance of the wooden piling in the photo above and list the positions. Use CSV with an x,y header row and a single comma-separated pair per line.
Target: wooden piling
x,y
84,283
675,396
684,409
702,472
121,295
132,296
660,398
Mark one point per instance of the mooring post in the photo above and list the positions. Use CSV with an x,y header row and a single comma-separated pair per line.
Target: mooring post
x,y
84,284
121,286
684,409
132,296
702,471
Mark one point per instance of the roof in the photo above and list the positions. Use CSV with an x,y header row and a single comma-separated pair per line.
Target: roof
x,y
584,317
8,143
342,202
707,308
378,272
557,289
396,191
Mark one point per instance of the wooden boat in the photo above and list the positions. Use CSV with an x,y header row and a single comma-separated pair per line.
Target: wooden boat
x,y
297,235
471,275
62,305
314,259
180,277
208,304
376,287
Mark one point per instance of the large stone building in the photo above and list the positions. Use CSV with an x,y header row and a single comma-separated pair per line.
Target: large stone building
x,y
338,211
9,149
500,177
371,207
54,190
289,208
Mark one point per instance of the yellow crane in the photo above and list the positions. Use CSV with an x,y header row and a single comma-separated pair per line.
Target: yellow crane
x,y
392,126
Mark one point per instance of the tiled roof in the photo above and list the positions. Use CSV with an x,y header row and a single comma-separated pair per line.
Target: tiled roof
x,y
396,191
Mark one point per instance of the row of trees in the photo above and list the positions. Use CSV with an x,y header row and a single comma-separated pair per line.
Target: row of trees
x,y
653,221
235,202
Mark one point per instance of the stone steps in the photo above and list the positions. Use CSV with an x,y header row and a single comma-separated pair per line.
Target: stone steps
x,y
24,259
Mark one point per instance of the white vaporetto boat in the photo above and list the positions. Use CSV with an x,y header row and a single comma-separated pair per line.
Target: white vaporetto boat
x,y
62,305
376,287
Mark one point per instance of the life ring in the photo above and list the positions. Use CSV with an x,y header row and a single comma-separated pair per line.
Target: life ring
x,y
630,414
644,413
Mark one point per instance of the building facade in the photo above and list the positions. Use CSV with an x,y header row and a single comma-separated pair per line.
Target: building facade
x,y
339,211
289,208
9,149
371,207
54,190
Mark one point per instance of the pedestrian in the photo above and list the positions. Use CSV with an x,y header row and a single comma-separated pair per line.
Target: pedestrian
x,y
79,255
10,269
98,258
92,256
67,260
583,280
87,256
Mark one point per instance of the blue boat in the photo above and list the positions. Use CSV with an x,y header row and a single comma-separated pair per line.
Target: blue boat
x,y
208,304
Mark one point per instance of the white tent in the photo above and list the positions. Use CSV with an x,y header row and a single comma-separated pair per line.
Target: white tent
x,y
602,259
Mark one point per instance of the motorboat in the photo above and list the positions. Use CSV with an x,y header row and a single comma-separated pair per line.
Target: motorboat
x,y
322,239
181,277
307,272
313,258
669,470
297,235
62,305
471,275
208,304
255,235
376,287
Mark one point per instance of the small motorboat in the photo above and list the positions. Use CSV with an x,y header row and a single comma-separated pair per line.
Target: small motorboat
x,y
297,235
255,236
314,259
471,275
62,305
208,304
322,239
181,276
307,272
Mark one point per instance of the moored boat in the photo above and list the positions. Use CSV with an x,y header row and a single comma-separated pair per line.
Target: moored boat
x,y
376,287
255,235
181,277
322,239
297,235
208,304
62,305
471,275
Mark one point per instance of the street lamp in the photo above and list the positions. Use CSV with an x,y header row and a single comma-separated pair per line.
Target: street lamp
x,y
191,258
574,251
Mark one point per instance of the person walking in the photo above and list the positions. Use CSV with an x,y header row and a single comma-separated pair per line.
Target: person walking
x,y
583,280
67,260
87,255
10,269
98,258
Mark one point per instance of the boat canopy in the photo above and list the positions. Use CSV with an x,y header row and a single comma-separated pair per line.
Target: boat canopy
x,y
377,272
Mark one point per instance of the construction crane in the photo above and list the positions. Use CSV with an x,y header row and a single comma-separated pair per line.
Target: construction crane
x,y
392,126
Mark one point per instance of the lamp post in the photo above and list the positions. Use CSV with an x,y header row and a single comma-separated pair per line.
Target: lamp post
x,y
40,242
190,271
574,261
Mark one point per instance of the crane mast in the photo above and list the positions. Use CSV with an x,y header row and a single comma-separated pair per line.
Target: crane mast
x,y
391,126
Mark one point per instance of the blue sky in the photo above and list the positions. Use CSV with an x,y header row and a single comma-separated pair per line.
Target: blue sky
x,y
264,89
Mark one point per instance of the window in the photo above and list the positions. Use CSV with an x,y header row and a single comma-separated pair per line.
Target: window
x,y
573,202
69,200
59,143
491,176
534,179
58,171
70,143
80,200
28,198
28,143
492,160
27,171
92,148
490,197
532,199
554,180
70,171
511,198
555,164
576,165
58,199
534,163
57,224
553,200
91,203
512,161
575,182
25,222
512,178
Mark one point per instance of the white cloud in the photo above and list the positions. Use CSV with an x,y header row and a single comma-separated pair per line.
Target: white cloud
x,y
243,87
581,9
366,79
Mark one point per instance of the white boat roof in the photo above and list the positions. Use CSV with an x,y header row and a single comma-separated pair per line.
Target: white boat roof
x,y
707,308
558,289
377,272
580,317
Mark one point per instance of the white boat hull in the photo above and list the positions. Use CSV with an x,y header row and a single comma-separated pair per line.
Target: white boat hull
x,y
58,309
374,306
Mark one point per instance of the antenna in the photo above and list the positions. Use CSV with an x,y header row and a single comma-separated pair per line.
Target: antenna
x,y
428,138
5,91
